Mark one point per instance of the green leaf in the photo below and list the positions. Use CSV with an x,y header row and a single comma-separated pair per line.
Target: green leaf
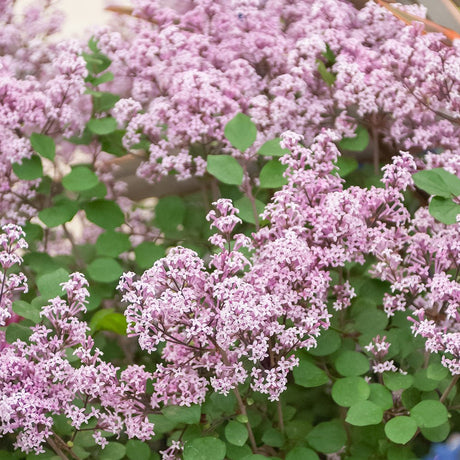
x,y
49,284
241,132
45,185
357,143
84,139
364,413
96,62
40,262
351,363
438,182
181,414
272,437
327,76
423,382
397,381
328,342
105,270
108,320
436,371
98,191
410,397
79,179
147,253
137,450
113,143
112,451
437,434
102,126
33,232
327,437
104,78
272,148
102,101
44,145
371,320
17,331
444,210
161,423
104,213
62,212
381,396
112,243
271,175
169,213
429,413
346,165
350,390
301,453
246,212
236,433
400,429
27,311
204,449
225,168
306,374
30,168
234,452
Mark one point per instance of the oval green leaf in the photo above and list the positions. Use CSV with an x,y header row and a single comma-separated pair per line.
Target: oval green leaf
x,y
327,437
102,125
246,211
364,413
79,179
400,429
112,243
302,453
105,213
225,168
350,390
241,132
44,145
357,143
272,148
58,214
306,374
236,433
30,168
271,175
204,449
429,413
105,270
444,210
351,363
137,450
438,182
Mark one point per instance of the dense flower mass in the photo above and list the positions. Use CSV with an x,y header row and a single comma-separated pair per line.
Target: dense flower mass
x,y
38,380
290,66
11,242
275,297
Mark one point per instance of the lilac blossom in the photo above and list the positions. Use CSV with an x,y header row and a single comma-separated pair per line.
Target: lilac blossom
x,y
51,385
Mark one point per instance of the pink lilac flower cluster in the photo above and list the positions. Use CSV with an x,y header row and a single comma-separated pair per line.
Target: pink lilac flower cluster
x,y
422,267
41,90
378,347
38,380
186,71
11,243
212,322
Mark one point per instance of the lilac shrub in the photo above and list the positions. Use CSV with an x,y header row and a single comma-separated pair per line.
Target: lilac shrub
x,y
39,380
289,65
289,303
